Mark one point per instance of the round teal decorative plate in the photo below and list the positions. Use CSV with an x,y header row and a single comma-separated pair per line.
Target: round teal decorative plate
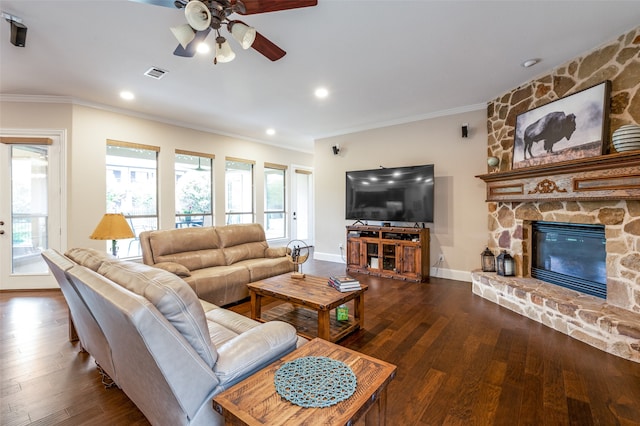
x,y
314,381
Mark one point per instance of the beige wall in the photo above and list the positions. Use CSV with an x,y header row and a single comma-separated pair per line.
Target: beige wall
x,y
459,228
87,132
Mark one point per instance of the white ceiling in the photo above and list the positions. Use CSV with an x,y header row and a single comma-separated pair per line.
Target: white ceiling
x,y
384,62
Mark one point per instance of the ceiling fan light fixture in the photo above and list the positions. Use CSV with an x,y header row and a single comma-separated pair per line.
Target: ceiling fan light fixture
x,y
198,15
223,51
203,48
244,34
184,34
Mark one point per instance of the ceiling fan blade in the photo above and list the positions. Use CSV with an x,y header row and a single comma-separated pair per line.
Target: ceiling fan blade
x,y
267,48
190,50
164,3
264,6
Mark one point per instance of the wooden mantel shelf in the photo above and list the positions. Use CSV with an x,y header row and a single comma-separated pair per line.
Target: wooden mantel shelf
x,y
605,177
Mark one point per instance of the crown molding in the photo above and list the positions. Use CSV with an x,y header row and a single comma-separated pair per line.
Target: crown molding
x,y
41,99
123,111
403,120
76,101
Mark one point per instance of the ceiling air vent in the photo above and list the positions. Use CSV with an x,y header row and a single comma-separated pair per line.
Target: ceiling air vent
x,y
155,72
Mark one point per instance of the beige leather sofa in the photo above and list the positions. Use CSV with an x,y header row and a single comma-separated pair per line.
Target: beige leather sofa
x,y
167,350
216,261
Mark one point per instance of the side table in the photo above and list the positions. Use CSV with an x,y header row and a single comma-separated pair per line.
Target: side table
x,y
254,401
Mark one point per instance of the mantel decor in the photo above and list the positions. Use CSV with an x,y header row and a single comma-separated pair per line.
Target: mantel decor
x,y
571,127
605,177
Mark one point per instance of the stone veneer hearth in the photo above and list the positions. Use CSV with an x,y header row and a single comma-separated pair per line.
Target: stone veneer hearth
x,y
612,325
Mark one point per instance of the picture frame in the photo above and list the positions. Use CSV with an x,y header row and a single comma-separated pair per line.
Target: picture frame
x,y
569,128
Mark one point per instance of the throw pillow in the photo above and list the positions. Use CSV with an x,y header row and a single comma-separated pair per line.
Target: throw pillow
x,y
174,268
275,252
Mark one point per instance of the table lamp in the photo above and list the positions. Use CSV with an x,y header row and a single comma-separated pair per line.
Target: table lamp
x,y
113,226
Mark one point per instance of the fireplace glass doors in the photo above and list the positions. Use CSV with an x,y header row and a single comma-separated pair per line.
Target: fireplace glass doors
x,y
571,256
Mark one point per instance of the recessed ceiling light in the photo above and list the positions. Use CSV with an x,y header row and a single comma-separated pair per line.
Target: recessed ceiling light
x,y
203,48
530,62
321,92
271,132
126,95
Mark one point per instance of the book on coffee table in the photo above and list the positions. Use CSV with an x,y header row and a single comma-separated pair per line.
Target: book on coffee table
x,y
344,283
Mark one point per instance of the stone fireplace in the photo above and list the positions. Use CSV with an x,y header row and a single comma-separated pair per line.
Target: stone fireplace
x,y
611,324
571,255
603,190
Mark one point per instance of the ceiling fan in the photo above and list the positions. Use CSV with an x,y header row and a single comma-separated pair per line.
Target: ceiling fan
x,y
206,15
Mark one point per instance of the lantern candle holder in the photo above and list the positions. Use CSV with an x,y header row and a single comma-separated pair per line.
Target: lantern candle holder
x,y
488,261
505,264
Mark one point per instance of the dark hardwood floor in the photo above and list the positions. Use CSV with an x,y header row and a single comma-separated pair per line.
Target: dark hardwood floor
x,y
461,361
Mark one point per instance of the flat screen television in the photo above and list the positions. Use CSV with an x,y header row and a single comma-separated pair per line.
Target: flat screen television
x,y
399,194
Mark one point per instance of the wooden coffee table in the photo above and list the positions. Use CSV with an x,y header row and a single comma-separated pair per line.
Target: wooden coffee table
x,y
254,401
311,302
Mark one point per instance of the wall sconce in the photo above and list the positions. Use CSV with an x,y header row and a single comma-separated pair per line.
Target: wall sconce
x,y
488,261
336,149
505,264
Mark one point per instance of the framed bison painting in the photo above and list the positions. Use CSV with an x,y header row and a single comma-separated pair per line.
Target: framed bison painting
x,y
567,129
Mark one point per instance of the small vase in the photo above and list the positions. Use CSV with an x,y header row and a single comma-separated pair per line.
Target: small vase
x,y
626,138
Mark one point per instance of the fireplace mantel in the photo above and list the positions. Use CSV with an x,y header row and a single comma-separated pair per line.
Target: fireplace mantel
x,y
605,177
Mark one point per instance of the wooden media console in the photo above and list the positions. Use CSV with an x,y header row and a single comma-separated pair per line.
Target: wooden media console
x,y
389,251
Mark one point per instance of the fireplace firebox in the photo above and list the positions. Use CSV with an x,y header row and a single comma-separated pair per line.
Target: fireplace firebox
x,y
570,255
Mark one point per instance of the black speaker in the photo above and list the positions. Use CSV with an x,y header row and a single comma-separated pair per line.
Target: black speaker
x,y
465,130
18,34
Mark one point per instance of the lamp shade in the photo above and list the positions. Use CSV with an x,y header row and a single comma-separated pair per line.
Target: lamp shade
x,y
198,15
113,226
223,51
184,34
244,34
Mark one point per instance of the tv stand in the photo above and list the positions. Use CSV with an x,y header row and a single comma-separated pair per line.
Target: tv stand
x,y
389,251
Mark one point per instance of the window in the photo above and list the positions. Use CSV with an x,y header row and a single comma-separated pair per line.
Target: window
x,y
132,189
274,200
239,191
193,189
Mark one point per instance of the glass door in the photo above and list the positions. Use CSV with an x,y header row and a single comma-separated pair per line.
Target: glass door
x,y
389,257
29,211
302,205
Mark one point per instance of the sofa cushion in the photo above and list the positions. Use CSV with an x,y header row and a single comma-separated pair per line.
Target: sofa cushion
x,y
193,260
171,241
244,251
88,257
220,285
233,235
259,269
174,268
171,296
